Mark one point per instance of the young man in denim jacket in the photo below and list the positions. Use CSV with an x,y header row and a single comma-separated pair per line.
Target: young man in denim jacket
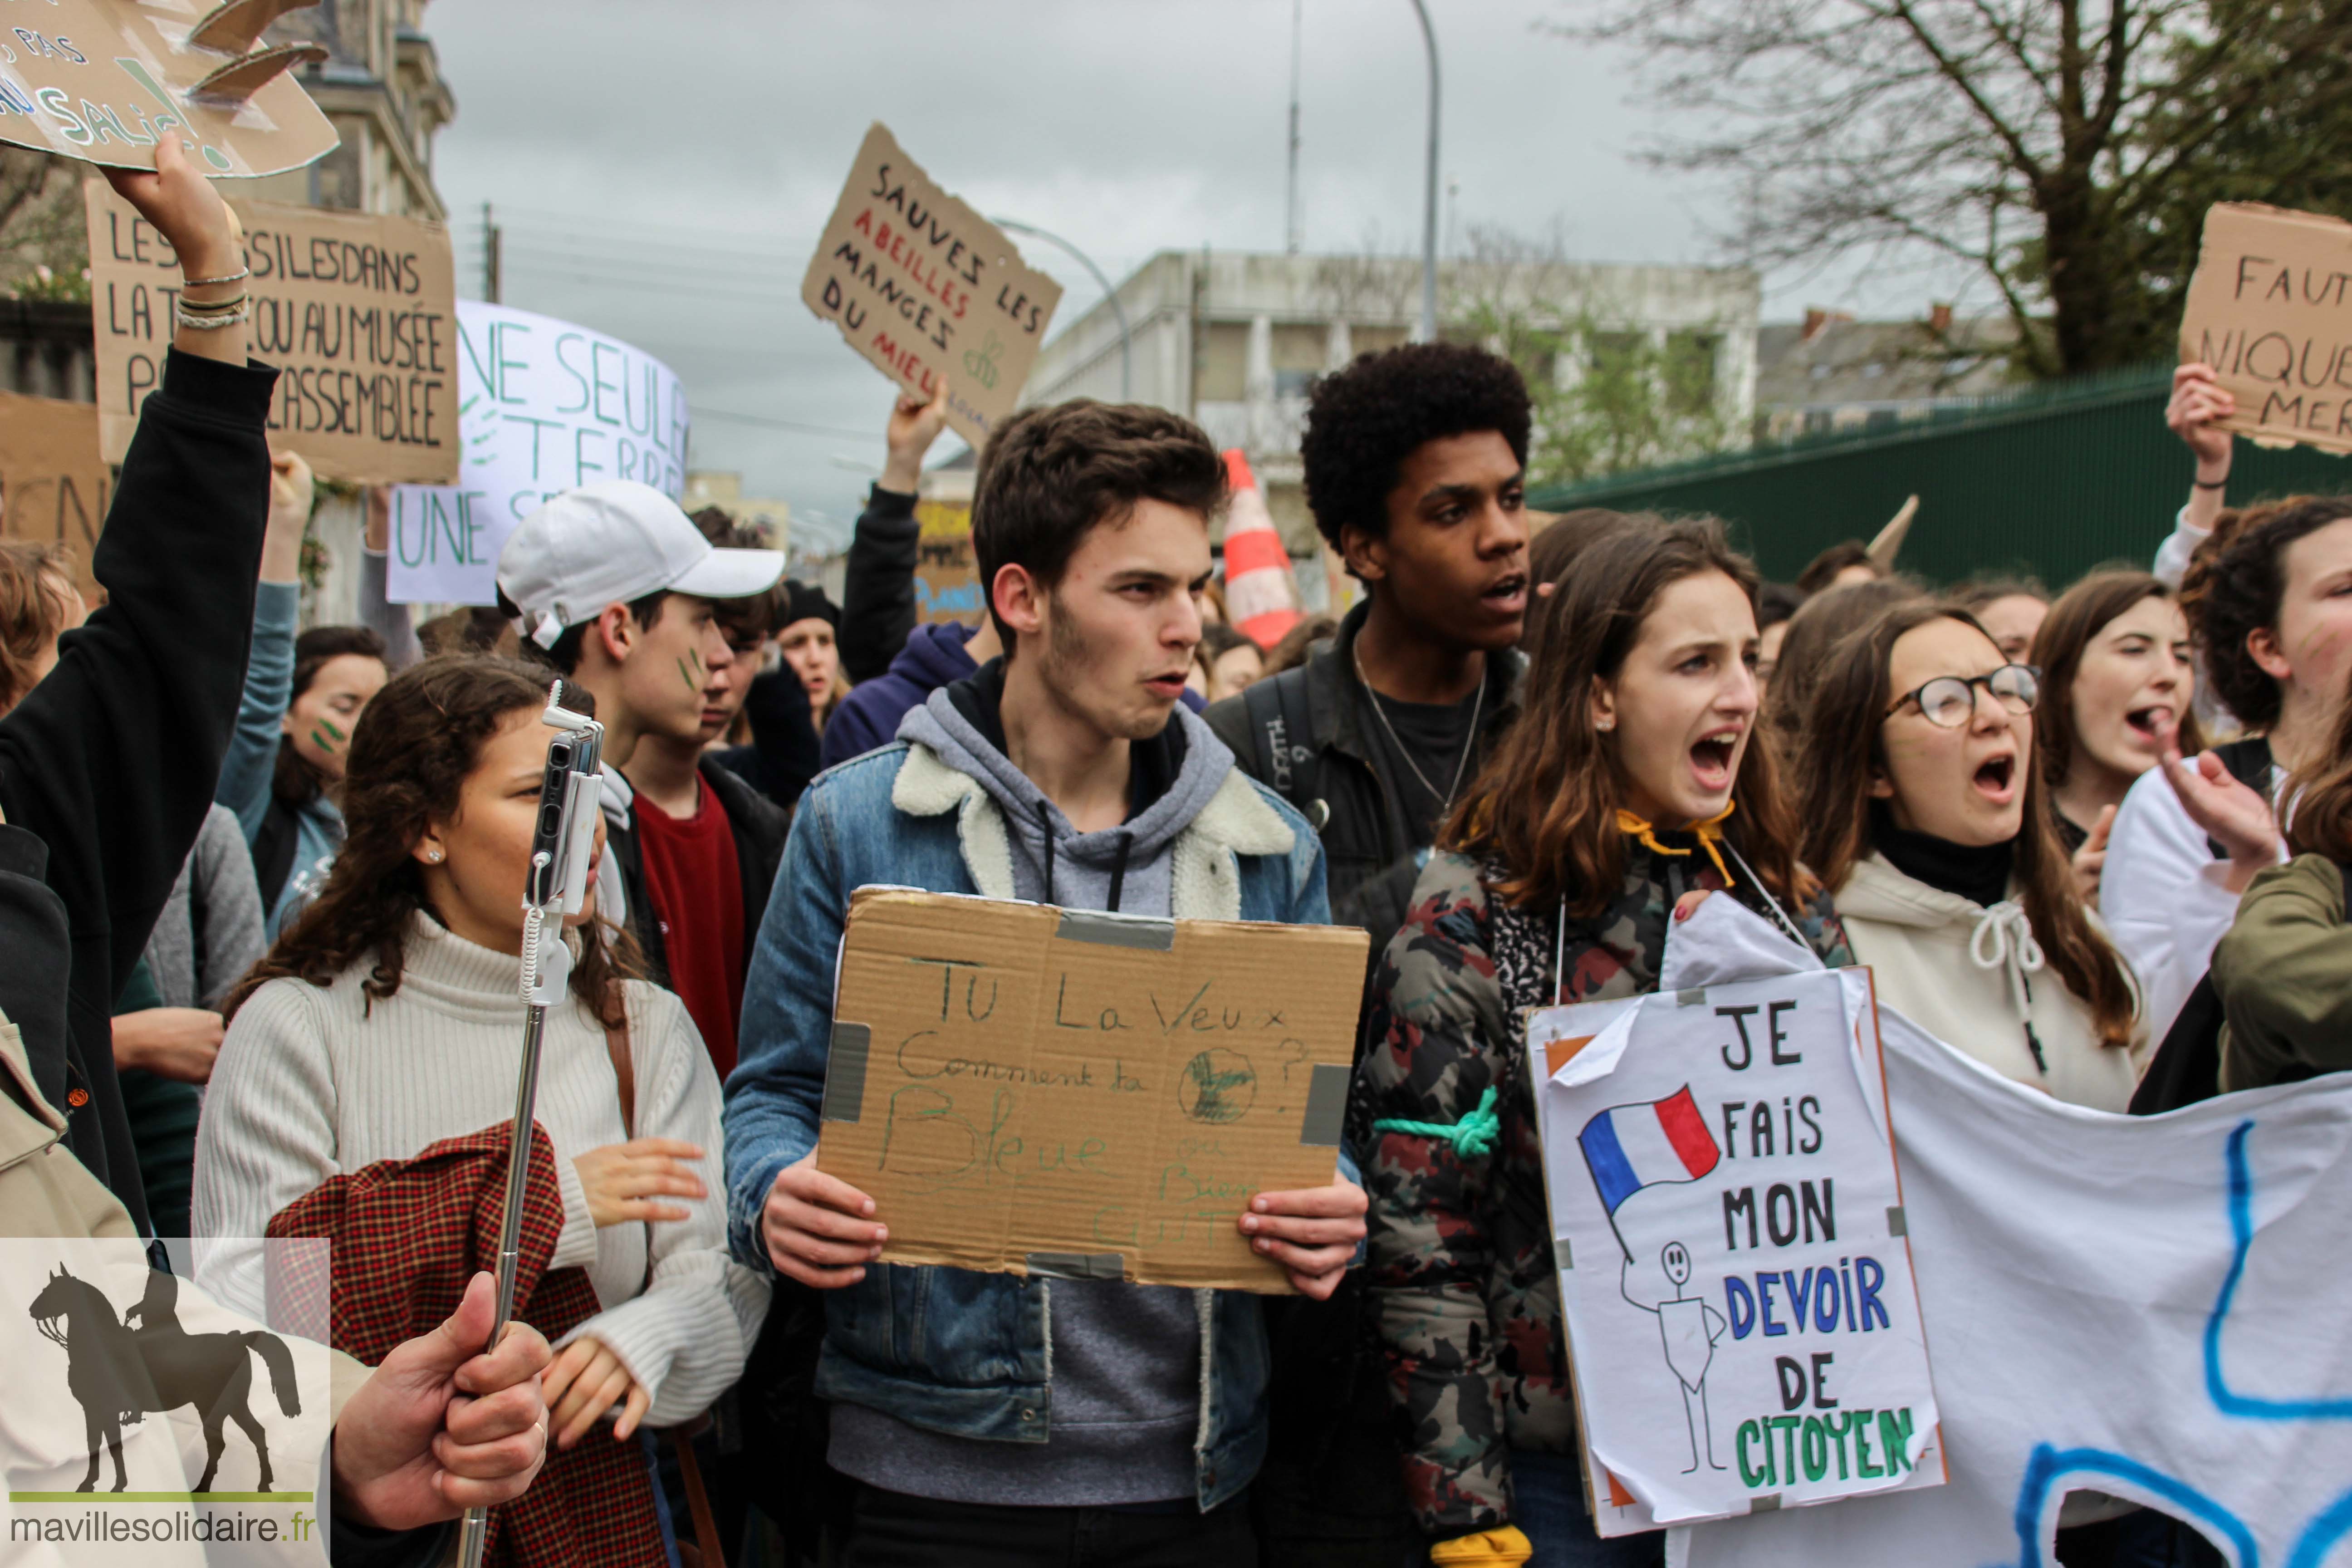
x,y
995,1419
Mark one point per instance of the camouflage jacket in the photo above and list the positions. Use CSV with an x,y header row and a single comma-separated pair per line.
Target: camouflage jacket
x,y
1460,1252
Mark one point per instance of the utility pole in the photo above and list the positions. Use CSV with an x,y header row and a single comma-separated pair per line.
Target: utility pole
x,y
1427,332
490,267
1291,236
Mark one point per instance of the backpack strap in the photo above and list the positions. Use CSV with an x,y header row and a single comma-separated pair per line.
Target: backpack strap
x,y
273,852
1282,737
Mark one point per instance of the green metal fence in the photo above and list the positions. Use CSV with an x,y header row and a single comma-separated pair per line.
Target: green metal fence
x,y
2053,481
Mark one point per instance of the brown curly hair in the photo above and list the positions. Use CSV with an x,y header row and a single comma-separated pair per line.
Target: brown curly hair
x,y
410,756
2233,588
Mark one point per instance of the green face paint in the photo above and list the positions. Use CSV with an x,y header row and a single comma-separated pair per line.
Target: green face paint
x,y
688,676
320,740
329,726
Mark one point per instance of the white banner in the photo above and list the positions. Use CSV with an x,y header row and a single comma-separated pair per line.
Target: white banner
x,y
542,405
1732,1263
2147,1308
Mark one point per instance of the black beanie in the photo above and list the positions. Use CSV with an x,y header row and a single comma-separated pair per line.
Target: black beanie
x,y
803,601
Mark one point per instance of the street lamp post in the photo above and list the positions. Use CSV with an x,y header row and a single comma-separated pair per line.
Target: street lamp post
x,y
1125,339
1428,333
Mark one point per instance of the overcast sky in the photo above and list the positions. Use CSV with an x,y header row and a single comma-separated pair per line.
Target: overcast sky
x,y
662,173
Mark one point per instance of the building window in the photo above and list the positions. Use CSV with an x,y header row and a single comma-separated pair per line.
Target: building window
x,y
1223,363
1690,373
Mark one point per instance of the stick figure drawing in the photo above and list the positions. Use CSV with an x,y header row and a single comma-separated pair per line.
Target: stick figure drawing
x,y
1657,1142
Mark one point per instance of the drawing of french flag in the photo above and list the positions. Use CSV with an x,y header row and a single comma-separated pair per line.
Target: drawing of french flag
x,y
1629,1147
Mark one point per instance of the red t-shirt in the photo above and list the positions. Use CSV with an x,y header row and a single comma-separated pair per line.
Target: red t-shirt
x,y
698,897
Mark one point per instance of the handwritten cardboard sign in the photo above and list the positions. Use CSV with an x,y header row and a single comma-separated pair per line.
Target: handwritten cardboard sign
x,y
543,406
100,81
1029,1090
54,486
924,287
2270,309
1734,1267
358,311
946,577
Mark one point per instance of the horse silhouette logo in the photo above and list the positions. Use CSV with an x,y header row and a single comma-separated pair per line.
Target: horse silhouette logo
x,y
118,1372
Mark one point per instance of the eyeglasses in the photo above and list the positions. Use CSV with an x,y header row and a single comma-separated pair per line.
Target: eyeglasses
x,y
1950,701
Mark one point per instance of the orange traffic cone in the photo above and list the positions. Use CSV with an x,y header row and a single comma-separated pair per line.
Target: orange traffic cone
x,y
1260,593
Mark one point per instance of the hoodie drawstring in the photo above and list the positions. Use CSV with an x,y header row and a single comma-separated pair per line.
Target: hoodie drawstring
x,y
2004,941
1118,869
1045,826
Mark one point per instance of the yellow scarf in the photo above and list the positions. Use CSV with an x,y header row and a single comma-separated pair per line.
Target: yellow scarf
x,y
1709,834
1505,1548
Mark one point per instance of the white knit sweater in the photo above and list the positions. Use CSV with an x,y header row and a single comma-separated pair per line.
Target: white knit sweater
x,y
312,1082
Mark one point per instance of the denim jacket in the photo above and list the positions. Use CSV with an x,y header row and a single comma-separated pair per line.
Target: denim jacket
x,y
949,1348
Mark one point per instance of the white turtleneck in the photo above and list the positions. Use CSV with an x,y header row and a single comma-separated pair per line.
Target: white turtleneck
x,y
313,1082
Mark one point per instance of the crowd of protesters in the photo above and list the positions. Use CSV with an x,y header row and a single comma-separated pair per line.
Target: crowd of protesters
x,y
261,884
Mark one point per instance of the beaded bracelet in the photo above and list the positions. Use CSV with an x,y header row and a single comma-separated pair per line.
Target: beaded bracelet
x,y
210,323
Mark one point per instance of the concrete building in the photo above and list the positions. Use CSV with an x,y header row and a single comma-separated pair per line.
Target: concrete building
x,y
1830,372
1232,339
381,88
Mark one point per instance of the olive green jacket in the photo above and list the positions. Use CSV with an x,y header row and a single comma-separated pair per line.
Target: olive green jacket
x,y
2284,975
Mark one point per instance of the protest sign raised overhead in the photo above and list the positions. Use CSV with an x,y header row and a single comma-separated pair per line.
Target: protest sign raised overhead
x,y
101,79
543,405
357,310
1733,1270
1027,1089
2270,309
54,486
925,288
946,577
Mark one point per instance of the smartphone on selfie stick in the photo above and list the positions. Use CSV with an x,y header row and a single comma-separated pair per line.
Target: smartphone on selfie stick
x,y
562,857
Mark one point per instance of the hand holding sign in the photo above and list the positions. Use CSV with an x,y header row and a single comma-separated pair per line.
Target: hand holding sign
x,y
819,1229
1312,1233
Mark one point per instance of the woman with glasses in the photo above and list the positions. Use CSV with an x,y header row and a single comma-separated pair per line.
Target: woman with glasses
x,y
1927,818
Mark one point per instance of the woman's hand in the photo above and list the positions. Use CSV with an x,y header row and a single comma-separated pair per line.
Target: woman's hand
x,y
2090,862
2235,816
290,518
622,1180
2199,406
183,206
819,1229
178,1043
1312,1233
586,1380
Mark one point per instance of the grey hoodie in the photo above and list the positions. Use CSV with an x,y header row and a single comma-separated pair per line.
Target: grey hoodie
x,y
1123,1362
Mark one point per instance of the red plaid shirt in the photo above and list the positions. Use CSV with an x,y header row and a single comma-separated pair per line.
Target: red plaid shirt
x,y
406,1236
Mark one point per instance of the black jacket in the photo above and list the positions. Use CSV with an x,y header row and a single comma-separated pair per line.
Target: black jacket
x,y
1373,857
111,761
784,751
877,594
758,827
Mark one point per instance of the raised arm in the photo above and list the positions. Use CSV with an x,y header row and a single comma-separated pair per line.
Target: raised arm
x,y
252,757
2195,412
877,597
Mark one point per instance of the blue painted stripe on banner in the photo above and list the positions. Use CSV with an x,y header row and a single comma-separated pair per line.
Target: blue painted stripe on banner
x,y
1611,1173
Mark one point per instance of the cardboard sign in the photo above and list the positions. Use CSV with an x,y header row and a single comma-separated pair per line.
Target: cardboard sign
x,y
924,287
947,578
100,81
543,406
54,486
1025,1089
1733,1263
358,311
2270,309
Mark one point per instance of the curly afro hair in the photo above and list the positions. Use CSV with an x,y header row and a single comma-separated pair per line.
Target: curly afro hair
x,y
2238,589
1363,422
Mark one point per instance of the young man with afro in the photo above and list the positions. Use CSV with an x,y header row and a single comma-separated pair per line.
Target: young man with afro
x,y
1415,465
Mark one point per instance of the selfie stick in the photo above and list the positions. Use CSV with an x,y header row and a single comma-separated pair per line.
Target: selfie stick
x,y
563,844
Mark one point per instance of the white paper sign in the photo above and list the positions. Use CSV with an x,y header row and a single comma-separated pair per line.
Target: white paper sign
x,y
543,405
1738,1288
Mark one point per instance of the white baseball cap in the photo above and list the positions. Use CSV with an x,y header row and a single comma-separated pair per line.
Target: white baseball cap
x,y
611,543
